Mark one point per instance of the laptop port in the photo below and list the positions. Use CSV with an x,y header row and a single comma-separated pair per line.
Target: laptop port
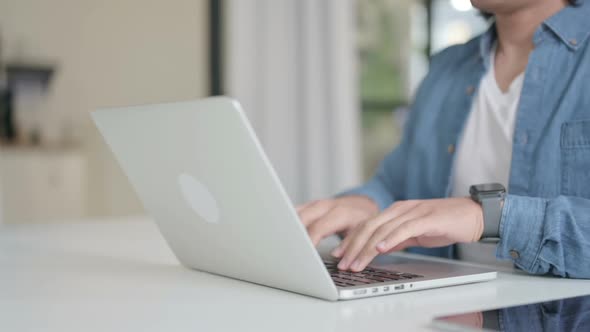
x,y
375,290
386,289
360,292
399,287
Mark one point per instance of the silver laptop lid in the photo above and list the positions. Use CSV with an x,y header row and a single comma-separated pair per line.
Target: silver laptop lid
x,y
201,173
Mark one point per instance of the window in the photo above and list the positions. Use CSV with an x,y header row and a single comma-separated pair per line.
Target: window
x,y
395,39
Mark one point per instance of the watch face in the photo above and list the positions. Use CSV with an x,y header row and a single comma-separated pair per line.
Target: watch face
x,y
489,188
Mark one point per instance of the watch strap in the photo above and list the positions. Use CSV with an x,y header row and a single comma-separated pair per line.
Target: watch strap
x,y
492,213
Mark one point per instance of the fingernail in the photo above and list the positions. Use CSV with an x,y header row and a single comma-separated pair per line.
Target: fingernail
x,y
382,246
342,265
356,265
336,252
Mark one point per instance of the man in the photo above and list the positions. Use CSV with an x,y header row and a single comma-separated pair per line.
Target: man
x,y
510,107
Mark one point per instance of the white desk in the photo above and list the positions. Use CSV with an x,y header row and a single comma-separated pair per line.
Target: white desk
x,y
121,276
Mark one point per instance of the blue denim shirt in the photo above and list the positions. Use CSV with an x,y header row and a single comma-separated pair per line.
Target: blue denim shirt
x,y
545,224
571,314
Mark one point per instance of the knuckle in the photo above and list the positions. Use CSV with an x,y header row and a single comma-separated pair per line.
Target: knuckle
x,y
422,222
367,255
314,229
402,205
373,225
367,228
395,206
356,215
323,204
385,228
408,202
395,234
399,203
354,244
422,208
339,211
367,251
314,202
329,201
352,233
408,228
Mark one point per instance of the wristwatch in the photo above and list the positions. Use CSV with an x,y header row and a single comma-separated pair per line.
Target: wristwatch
x,y
491,197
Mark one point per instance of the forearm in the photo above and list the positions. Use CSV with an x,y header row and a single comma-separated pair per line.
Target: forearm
x,y
546,236
376,190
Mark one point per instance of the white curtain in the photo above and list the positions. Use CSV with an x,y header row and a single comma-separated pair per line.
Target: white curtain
x,y
292,65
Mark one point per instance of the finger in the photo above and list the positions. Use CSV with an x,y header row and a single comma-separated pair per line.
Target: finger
x,y
369,250
341,248
337,220
354,243
413,242
315,211
395,210
302,207
411,229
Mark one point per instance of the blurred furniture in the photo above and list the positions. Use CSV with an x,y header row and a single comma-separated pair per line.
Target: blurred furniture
x,y
7,129
28,83
121,276
39,185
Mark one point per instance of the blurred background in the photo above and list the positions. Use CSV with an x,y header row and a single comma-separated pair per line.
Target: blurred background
x,y
326,84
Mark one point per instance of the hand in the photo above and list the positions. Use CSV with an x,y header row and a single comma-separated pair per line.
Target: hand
x,y
330,216
424,223
474,319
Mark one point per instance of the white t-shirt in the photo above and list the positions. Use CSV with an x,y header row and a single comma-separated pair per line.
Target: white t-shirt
x,y
484,152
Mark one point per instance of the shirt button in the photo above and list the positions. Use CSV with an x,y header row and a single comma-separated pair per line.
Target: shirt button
x,y
573,42
524,139
514,254
470,89
451,148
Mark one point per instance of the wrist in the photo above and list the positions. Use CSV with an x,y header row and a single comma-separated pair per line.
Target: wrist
x,y
479,221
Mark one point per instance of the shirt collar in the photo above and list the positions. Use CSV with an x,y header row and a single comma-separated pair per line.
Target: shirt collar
x,y
570,25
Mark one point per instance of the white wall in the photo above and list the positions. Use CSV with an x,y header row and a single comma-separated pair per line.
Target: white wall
x,y
111,52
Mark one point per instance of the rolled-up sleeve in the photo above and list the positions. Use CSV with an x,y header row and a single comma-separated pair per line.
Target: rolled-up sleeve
x,y
546,236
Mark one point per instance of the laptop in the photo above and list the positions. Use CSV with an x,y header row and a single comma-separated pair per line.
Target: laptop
x,y
203,176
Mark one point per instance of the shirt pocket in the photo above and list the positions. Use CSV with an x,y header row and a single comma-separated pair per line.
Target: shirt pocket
x,y
575,158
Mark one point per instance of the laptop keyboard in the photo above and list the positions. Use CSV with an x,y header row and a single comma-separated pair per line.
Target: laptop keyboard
x,y
367,276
